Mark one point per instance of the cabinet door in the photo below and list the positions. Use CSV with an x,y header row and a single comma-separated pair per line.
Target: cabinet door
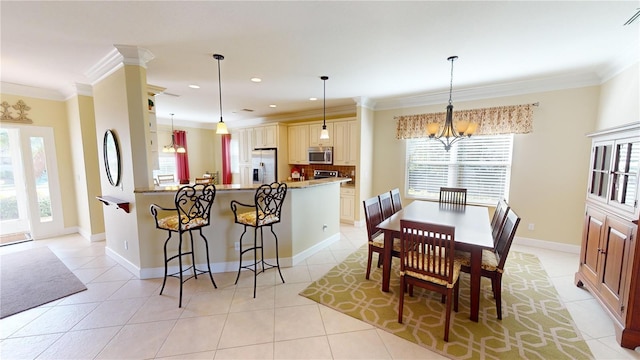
x,y
601,153
345,151
590,252
314,135
624,182
245,145
265,136
615,247
298,144
347,208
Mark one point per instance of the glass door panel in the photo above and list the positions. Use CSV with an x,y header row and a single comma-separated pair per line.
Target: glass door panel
x,y
14,215
41,178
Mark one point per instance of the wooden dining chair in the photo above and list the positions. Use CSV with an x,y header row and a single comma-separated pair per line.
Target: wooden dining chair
x,y
499,216
386,204
427,260
373,217
395,200
493,261
456,196
204,180
166,179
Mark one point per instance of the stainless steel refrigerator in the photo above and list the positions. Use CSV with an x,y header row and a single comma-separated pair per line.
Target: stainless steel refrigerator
x,y
264,165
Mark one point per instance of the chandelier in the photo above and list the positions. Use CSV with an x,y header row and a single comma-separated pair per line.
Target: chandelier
x,y
173,148
450,134
222,127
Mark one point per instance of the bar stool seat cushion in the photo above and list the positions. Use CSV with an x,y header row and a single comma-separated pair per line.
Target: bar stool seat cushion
x,y
172,223
418,258
489,260
378,242
249,218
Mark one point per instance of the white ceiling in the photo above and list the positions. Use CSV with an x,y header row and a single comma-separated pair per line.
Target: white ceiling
x,y
376,51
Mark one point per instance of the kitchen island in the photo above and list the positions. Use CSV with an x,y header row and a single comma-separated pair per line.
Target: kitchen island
x,y
310,222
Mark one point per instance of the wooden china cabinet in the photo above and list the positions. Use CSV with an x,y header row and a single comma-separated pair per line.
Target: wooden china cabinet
x,y
610,253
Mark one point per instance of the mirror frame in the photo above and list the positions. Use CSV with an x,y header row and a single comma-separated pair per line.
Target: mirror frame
x,y
111,153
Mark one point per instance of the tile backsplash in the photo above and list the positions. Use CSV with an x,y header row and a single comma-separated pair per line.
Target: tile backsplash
x,y
344,171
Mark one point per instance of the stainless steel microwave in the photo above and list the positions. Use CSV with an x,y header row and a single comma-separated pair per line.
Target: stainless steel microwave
x,y
320,155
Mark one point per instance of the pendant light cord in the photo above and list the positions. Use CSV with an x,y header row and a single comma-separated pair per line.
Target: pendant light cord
x,y
452,58
219,85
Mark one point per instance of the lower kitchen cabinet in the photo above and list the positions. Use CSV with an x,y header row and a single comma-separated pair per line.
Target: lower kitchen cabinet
x,y
347,204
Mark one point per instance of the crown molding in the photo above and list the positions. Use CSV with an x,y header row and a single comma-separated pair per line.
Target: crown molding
x,y
491,91
364,102
30,91
117,58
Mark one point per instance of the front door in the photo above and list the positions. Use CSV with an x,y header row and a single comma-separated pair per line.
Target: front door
x,y
29,187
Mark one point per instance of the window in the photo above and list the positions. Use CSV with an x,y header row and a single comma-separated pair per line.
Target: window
x,y
167,165
481,164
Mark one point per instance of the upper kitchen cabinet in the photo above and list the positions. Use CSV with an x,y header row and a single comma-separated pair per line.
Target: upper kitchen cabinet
x,y
265,136
245,144
346,143
314,135
298,137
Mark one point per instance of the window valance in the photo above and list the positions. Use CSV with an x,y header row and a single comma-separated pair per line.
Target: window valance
x,y
515,119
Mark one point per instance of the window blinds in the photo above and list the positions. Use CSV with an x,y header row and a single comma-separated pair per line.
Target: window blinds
x,y
481,164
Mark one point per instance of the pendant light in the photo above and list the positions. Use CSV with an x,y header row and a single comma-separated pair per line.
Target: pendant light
x,y
222,127
324,134
450,135
172,148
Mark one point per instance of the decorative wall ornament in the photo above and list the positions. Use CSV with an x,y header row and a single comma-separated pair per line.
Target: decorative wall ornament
x,y
20,107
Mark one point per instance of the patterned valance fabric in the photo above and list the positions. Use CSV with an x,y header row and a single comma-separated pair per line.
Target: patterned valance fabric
x,y
516,119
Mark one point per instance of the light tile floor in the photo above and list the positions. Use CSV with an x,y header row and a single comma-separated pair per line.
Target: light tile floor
x,y
122,317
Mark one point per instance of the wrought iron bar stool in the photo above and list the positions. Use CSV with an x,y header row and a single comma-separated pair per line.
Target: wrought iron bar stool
x,y
192,212
265,211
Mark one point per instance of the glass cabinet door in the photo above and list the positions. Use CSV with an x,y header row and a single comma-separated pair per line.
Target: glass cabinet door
x,y
625,174
600,167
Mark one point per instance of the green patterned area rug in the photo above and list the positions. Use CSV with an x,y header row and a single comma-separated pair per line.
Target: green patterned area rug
x,y
535,324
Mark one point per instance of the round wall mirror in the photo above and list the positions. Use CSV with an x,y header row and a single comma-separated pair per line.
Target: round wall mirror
x,y
111,157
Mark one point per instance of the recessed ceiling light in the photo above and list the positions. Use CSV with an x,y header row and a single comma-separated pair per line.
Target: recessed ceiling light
x,y
313,99
273,105
256,79
194,86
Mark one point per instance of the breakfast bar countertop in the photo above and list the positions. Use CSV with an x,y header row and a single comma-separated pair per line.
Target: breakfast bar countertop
x,y
231,187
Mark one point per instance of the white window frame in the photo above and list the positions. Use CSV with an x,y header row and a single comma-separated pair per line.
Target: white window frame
x,y
496,186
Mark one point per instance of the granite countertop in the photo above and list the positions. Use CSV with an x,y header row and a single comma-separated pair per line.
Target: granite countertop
x,y
232,187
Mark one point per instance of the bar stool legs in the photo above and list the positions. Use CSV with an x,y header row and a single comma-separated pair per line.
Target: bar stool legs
x,y
179,274
261,262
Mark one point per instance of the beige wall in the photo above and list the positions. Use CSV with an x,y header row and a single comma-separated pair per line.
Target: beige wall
x,y
620,99
86,173
548,177
51,113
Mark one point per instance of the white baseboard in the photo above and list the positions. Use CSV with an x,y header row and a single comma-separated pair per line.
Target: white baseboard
x,y
92,237
135,270
298,258
548,245
229,266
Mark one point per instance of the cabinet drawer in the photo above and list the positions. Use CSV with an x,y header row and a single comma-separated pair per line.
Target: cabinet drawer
x,y
347,191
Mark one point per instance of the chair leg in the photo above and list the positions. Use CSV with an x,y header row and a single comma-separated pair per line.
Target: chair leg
x,y
277,254
180,267
497,285
401,301
255,258
206,247
369,258
447,315
166,266
456,292
193,256
240,255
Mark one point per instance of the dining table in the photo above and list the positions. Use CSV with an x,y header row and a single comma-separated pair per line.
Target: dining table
x,y
472,234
